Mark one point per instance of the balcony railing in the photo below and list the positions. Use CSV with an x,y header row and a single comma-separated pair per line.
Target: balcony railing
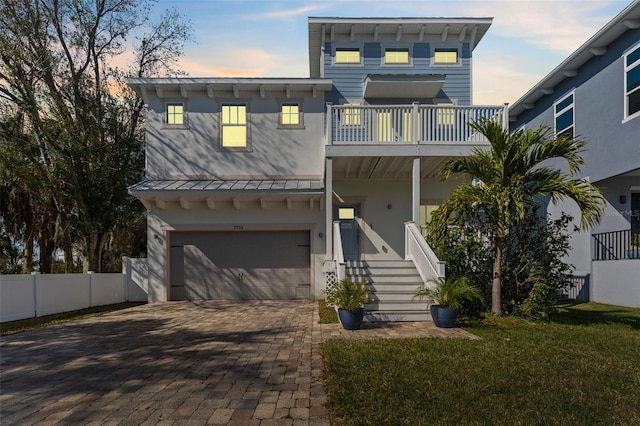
x,y
408,124
616,245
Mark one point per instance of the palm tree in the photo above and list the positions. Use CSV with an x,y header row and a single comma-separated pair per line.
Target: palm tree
x,y
512,175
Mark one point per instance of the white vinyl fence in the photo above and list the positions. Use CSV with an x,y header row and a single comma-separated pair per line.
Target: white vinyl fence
x,y
28,296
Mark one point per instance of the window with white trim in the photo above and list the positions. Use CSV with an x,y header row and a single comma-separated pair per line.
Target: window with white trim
x,y
564,117
396,56
446,56
290,114
347,55
632,83
175,114
233,124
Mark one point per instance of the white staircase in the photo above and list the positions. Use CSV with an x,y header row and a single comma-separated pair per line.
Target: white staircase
x,y
393,284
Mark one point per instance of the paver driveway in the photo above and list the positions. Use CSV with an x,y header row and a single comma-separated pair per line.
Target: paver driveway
x,y
180,363
183,363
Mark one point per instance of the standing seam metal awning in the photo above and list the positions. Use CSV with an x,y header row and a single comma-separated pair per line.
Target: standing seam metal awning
x,y
228,186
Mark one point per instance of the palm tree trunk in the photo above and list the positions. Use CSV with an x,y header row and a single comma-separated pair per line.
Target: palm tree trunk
x,y
496,285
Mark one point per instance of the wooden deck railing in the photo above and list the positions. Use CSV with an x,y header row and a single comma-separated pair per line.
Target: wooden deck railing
x,y
408,124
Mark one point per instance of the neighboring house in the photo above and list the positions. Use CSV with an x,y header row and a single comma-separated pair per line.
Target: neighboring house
x,y
263,188
595,94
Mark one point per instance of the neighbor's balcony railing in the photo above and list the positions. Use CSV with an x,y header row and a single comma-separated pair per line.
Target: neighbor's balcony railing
x,y
616,245
408,124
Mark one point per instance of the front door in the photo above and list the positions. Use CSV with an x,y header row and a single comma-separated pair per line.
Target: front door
x,y
635,214
349,230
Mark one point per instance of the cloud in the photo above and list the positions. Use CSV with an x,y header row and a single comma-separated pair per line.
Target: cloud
x,y
289,13
239,62
559,26
496,82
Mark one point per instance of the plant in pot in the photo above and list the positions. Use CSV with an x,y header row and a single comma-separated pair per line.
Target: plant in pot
x,y
634,248
448,295
349,298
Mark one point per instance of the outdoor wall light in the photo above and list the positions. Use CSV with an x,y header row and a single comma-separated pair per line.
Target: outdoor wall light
x,y
156,236
623,199
320,235
389,206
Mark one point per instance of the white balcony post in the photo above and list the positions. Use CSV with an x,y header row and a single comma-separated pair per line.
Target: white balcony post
x,y
328,125
328,205
415,191
415,123
505,116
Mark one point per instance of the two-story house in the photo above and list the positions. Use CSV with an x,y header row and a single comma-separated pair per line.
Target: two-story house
x,y
267,188
594,94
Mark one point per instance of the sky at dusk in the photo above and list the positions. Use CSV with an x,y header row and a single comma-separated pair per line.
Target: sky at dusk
x,y
264,38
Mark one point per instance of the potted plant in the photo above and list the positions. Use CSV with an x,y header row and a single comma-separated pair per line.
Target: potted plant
x,y
448,295
634,248
349,298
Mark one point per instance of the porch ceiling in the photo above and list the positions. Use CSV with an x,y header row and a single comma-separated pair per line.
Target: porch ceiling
x,y
385,168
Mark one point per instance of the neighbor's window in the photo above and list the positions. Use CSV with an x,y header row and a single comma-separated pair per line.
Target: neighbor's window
x,y
290,114
632,82
564,116
351,116
234,126
396,56
175,113
347,56
445,55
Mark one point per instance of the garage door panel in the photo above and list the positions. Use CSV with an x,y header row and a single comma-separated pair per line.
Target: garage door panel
x,y
245,265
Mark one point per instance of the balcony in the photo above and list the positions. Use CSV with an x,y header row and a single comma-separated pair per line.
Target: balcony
x,y
413,124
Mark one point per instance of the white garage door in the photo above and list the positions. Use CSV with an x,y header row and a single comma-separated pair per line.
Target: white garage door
x,y
240,265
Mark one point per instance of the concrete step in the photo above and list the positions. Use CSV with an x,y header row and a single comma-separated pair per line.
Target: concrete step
x,y
390,316
408,288
388,279
382,271
394,295
397,306
379,264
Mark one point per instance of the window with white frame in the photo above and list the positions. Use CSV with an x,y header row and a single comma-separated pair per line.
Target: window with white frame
x,y
446,56
290,114
234,127
563,113
175,114
347,55
632,83
396,56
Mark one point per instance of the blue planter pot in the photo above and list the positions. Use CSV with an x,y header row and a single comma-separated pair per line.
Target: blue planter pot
x,y
351,320
443,317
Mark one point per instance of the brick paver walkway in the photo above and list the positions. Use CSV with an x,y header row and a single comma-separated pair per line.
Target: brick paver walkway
x,y
244,363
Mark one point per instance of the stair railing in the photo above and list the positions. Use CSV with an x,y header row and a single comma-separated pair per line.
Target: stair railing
x,y
417,250
338,254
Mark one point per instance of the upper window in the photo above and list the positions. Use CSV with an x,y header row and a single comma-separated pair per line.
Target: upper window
x,y
347,55
233,122
445,55
175,114
563,113
290,114
632,83
394,55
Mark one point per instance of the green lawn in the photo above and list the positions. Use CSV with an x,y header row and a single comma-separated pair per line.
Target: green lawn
x,y
582,368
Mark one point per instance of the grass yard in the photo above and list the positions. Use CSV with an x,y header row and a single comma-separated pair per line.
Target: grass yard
x,y
583,368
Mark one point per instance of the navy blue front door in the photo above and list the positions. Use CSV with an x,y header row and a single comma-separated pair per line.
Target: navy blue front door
x,y
635,214
349,230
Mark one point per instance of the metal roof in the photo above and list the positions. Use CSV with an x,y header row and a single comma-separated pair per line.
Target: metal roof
x,y
629,18
154,187
472,28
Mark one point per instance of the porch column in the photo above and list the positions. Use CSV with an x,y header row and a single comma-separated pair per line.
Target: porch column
x,y
328,206
415,191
